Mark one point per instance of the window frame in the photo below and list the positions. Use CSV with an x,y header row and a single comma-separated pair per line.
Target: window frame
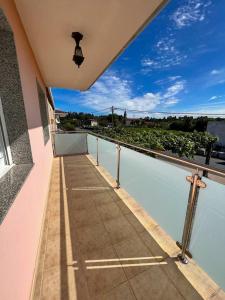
x,y
6,145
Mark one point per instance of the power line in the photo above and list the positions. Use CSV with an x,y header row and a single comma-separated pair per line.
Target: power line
x,y
109,109
97,111
169,113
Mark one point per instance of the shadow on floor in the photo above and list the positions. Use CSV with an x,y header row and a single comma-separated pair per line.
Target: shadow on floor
x,y
94,248
114,257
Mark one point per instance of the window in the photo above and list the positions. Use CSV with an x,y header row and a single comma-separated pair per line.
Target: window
x,y
5,154
3,157
16,156
44,112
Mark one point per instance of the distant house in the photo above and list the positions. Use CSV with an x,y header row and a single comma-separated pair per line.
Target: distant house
x,y
93,122
60,113
217,128
88,124
131,121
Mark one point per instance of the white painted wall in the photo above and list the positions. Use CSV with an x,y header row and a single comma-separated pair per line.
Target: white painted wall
x,y
217,128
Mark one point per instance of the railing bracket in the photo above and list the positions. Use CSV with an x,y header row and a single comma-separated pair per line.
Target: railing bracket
x,y
183,259
187,252
199,182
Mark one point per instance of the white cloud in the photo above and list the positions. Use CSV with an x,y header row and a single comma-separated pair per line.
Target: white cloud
x,y
191,12
170,102
172,78
216,72
166,45
167,52
175,89
167,55
112,90
147,62
213,98
168,80
217,109
162,62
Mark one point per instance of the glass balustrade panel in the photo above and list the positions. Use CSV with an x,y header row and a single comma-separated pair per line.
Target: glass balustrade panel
x,y
159,187
208,238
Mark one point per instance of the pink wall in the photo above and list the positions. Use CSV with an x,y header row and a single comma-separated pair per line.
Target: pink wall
x,y
20,230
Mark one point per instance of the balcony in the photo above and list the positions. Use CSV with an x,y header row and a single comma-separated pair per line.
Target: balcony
x,y
99,242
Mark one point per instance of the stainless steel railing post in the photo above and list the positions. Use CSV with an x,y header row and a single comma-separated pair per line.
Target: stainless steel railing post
x,y
118,167
196,184
97,152
87,142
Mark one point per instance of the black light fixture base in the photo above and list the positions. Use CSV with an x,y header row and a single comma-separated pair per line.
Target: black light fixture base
x,y
78,57
77,36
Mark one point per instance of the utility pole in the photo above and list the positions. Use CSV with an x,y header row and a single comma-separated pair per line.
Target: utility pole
x,y
209,149
112,116
125,117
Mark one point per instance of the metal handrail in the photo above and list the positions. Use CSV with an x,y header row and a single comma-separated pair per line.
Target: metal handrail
x,y
180,161
200,167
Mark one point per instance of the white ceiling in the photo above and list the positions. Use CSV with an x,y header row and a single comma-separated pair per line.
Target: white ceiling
x,y
107,25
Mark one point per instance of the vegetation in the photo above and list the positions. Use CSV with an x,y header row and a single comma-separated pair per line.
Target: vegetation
x,y
186,123
180,135
73,120
181,143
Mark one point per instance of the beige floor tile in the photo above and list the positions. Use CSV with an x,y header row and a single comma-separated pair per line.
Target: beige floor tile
x,y
55,209
135,223
79,204
53,256
56,226
91,238
113,194
51,285
79,200
81,286
121,292
102,197
220,295
154,284
180,281
125,210
152,245
109,211
84,218
102,277
73,182
134,249
56,285
119,229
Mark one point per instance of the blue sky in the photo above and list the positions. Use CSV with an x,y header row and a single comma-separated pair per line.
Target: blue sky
x,y
176,64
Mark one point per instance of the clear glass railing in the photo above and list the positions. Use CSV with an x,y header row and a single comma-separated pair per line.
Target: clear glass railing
x,y
208,236
92,145
146,179
158,186
162,189
70,143
106,153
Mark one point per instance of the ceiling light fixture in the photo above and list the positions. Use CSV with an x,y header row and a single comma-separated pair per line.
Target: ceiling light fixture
x,y
78,57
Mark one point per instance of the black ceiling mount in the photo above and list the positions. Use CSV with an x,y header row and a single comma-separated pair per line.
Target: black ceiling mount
x,y
78,57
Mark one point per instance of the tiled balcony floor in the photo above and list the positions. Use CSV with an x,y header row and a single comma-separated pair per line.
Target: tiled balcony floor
x,y
93,247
